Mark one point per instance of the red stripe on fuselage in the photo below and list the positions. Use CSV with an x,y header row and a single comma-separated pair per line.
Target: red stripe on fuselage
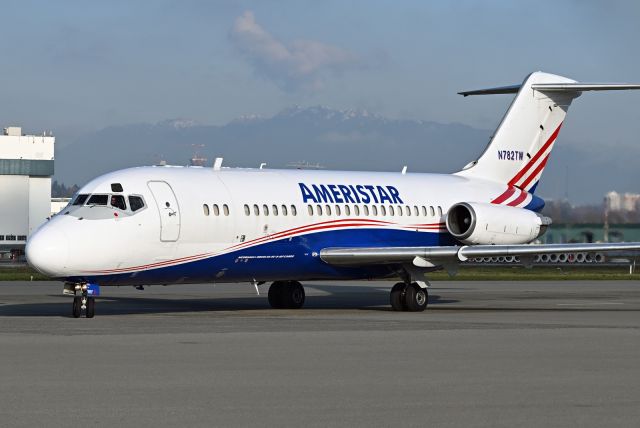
x,y
506,195
519,199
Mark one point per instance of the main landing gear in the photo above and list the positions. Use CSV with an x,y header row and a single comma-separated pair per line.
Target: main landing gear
x,y
412,297
286,295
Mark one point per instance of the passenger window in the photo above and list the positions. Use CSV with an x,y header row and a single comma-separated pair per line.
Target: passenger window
x,y
225,208
274,209
310,209
408,209
383,210
80,199
294,211
256,210
424,211
391,211
416,210
319,209
347,210
216,210
400,211
337,209
440,211
365,209
247,211
356,210
374,210
432,211
328,209
135,203
205,208
265,209
118,201
284,210
98,200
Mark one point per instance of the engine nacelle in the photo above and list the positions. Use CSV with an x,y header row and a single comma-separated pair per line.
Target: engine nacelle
x,y
481,223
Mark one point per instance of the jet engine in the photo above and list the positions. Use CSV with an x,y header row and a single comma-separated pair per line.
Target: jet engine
x,y
482,223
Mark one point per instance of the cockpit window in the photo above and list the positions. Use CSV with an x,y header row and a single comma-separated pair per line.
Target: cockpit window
x,y
117,201
116,187
98,200
80,199
136,203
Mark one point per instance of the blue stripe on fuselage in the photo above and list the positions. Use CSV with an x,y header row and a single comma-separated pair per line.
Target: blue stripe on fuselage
x,y
290,258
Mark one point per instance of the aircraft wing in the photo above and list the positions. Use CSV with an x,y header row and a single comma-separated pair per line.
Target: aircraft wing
x,y
433,256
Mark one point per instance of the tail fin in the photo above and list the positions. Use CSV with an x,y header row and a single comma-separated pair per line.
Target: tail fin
x,y
520,148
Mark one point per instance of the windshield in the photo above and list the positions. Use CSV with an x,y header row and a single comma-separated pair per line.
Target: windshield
x,y
98,200
127,203
80,199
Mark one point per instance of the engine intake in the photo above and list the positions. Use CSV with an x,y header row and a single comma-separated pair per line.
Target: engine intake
x,y
482,223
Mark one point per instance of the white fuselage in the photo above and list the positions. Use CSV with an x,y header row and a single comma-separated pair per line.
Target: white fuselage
x,y
244,224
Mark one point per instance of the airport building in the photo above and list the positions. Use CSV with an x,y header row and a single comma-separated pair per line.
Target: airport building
x,y
26,167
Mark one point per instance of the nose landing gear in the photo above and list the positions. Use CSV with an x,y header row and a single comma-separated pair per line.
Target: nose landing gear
x,y
85,301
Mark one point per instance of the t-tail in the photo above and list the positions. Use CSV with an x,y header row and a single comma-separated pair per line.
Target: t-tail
x,y
521,146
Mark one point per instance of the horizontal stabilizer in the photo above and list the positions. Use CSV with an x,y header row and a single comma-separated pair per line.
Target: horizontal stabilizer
x,y
581,87
554,87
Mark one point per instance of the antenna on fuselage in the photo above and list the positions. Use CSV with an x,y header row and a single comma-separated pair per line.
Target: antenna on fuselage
x,y
217,164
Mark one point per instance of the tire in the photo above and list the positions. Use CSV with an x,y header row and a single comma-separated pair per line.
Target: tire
x,y
416,298
91,307
294,295
397,297
77,307
275,295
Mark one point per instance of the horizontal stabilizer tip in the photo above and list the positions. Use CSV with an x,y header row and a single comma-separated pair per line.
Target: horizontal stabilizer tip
x,y
511,89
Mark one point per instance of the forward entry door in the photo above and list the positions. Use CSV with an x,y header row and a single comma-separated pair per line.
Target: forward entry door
x,y
168,209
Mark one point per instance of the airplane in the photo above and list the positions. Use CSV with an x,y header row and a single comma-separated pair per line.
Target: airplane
x,y
178,225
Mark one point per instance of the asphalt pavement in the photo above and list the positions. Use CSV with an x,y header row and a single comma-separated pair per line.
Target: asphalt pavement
x,y
483,354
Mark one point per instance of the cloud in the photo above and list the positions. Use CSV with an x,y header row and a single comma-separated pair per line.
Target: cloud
x,y
300,64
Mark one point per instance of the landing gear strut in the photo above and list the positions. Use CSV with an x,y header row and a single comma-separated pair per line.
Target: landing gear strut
x,y
409,297
286,295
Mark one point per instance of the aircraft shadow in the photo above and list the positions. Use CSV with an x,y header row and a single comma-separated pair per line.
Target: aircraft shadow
x,y
339,297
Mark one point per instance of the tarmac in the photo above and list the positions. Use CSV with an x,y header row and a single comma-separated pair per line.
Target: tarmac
x,y
483,354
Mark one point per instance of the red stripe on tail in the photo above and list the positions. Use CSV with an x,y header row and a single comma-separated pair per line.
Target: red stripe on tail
x,y
533,160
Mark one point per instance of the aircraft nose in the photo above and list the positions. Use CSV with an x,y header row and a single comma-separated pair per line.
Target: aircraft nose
x,y
47,251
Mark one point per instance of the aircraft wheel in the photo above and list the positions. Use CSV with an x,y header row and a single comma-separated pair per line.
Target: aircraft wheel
x,y
397,297
77,307
276,295
294,295
416,298
91,307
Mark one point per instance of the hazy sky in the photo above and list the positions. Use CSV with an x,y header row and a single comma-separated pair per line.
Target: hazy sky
x,y
76,66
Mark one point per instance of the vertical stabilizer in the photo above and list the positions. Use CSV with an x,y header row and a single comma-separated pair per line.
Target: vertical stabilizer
x,y
520,148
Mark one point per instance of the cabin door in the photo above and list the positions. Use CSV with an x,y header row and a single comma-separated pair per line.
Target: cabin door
x,y
168,209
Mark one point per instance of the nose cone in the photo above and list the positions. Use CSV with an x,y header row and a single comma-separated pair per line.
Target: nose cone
x,y
47,251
